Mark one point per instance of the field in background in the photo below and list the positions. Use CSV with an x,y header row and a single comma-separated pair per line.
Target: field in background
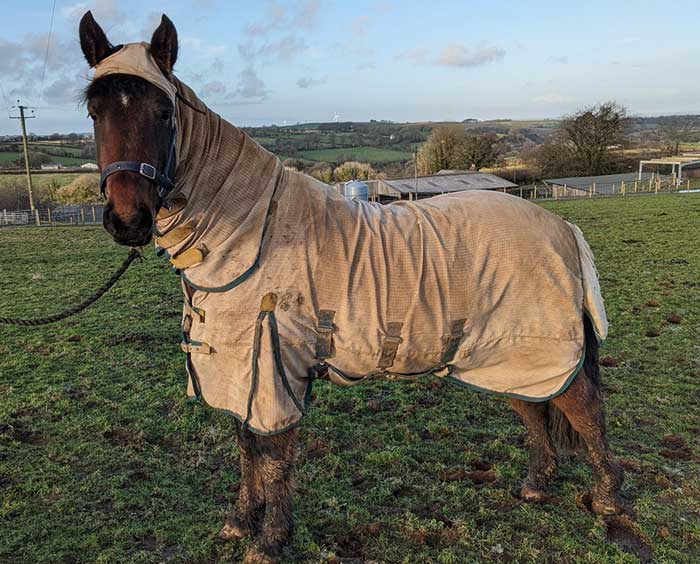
x,y
102,459
362,154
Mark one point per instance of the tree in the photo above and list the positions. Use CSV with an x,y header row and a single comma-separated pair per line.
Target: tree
x,y
450,147
476,151
438,151
322,172
353,170
84,189
590,142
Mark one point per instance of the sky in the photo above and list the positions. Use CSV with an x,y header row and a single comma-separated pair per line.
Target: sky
x,y
282,62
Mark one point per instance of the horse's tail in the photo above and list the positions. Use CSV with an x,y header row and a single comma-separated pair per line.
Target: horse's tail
x,y
560,429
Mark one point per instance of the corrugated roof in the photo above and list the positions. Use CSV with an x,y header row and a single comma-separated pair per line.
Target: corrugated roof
x,y
445,183
602,181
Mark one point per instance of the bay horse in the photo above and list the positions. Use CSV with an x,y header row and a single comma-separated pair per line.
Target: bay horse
x,y
242,231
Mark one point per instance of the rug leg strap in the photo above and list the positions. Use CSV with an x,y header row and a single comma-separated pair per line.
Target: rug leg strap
x,y
450,341
324,334
390,344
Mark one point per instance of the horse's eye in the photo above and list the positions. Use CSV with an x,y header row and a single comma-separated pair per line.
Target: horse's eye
x,y
165,115
92,116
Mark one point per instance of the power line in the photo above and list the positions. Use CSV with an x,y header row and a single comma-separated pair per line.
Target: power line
x,y
48,45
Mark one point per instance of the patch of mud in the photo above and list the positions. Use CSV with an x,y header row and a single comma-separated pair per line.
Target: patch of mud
x,y
609,362
625,533
121,436
676,448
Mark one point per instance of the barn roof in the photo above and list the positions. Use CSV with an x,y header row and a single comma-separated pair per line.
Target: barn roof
x,y
444,183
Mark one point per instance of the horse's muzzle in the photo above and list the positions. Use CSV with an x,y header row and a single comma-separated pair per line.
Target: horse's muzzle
x,y
137,231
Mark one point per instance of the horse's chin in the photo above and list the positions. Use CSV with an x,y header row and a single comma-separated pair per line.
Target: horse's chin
x,y
134,241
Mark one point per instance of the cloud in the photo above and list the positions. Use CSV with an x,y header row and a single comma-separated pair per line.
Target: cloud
x,y
106,12
309,82
306,15
151,24
274,19
285,49
199,45
213,89
417,56
458,56
250,87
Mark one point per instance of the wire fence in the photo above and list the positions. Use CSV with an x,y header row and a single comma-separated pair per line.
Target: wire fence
x,y
655,185
89,214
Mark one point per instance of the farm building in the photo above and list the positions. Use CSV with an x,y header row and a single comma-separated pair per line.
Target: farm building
x,y
602,184
442,183
682,166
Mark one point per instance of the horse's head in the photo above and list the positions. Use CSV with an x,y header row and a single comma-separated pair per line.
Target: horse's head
x,y
133,122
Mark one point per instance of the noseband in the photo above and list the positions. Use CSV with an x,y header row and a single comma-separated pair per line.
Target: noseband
x,y
162,180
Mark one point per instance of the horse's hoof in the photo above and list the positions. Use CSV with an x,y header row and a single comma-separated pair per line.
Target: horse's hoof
x,y
607,505
533,495
233,530
254,556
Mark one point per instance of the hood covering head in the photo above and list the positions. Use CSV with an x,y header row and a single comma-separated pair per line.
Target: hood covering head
x,y
136,59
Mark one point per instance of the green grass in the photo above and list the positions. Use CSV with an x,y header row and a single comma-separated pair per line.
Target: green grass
x,y
363,154
65,161
102,458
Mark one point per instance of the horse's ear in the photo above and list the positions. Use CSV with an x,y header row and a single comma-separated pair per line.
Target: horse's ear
x,y
93,40
164,45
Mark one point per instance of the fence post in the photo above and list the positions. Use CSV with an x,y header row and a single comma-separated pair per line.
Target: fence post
x,y
36,214
82,215
622,187
48,213
94,218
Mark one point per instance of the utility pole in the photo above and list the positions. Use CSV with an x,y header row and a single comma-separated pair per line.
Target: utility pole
x,y
415,171
22,119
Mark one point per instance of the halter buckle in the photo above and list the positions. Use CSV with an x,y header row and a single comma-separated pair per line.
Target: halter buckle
x,y
149,171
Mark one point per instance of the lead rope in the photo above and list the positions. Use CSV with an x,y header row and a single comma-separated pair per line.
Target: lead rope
x,y
133,255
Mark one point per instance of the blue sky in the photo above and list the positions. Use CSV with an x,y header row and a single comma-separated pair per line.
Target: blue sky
x,y
279,62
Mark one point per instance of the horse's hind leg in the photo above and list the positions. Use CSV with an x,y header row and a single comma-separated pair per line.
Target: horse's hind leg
x,y
583,406
276,466
251,496
543,455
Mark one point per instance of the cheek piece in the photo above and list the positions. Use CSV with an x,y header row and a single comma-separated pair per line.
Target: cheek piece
x,y
163,180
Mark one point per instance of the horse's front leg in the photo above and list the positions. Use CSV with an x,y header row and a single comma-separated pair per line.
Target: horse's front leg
x,y
278,454
251,496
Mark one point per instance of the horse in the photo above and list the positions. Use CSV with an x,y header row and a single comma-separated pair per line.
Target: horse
x,y
484,289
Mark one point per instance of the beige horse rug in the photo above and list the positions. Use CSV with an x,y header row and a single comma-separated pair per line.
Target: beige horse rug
x,y
284,279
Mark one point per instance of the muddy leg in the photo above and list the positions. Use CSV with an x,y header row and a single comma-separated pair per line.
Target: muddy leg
x,y
251,497
543,455
276,465
583,406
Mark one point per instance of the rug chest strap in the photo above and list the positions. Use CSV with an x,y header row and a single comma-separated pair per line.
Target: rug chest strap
x,y
390,344
324,334
451,340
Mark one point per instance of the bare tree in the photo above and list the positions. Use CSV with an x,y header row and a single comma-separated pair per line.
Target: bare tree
x,y
450,147
590,142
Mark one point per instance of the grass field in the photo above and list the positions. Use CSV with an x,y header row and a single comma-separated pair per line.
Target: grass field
x,y
363,154
65,161
102,458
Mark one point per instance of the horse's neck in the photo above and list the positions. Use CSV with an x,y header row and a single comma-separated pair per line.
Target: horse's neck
x,y
219,164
